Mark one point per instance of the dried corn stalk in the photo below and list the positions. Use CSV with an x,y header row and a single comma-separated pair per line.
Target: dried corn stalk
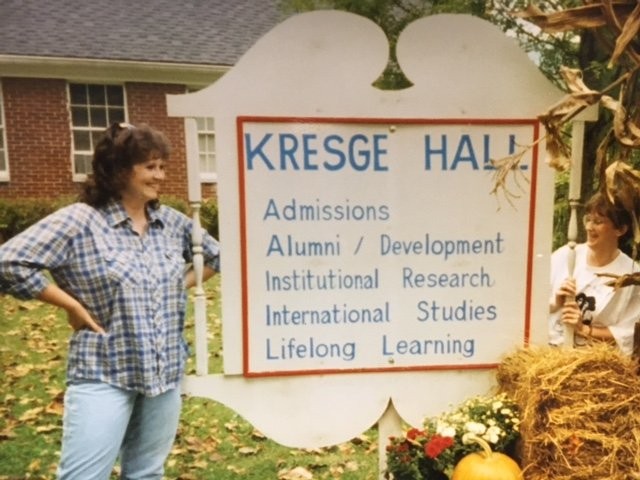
x,y
622,18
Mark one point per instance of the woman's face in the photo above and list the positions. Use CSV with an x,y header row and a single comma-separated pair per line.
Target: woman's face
x,y
601,232
145,180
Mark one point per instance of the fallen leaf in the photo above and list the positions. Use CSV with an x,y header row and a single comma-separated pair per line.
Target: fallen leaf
x,y
298,473
199,465
234,469
352,466
47,428
34,466
31,414
248,450
8,431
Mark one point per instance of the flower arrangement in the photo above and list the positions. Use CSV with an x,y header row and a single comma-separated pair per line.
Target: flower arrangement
x,y
432,452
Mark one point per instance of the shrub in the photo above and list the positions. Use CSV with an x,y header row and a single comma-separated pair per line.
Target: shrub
x,y
18,214
208,212
209,217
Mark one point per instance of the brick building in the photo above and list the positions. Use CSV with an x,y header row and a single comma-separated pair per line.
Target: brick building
x,y
69,68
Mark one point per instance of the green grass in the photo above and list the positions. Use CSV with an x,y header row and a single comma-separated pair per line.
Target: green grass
x,y
213,441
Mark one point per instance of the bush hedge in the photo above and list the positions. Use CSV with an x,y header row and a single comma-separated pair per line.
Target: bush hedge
x,y
208,212
18,214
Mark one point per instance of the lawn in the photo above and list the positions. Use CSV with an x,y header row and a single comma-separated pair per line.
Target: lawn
x,y
213,442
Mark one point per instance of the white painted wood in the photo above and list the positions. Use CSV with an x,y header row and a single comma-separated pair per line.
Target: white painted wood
x,y
195,198
575,186
390,424
323,64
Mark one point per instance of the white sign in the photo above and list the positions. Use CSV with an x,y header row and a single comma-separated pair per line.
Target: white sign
x,y
374,244
364,258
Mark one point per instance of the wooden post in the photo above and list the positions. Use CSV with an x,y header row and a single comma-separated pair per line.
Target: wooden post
x,y
575,185
195,200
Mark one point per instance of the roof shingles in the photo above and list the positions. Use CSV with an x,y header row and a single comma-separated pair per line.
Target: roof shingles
x,y
206,32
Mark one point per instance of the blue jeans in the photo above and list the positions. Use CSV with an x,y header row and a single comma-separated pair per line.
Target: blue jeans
x,y
101,422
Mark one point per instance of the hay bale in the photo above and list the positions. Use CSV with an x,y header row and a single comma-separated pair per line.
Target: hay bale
x,y
580,412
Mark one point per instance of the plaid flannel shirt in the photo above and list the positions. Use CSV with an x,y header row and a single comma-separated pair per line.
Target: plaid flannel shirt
x,y
133,286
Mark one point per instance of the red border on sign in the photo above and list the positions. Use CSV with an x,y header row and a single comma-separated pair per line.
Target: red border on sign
x,y
240,122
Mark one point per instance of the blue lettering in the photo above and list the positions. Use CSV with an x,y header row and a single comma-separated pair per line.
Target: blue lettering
x,y
342,159
385,349
488,165
362,153
512,150
288,151
270,356
465,152
300,152
465,145
428,151
377,166
308,151
257,151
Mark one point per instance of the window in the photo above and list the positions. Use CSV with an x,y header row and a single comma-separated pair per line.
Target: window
x,y
207,149
93,108
4,161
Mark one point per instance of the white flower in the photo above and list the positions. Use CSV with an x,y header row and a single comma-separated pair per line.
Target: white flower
x,y
492,435
466,438
497,405
456,417
475,428
445,429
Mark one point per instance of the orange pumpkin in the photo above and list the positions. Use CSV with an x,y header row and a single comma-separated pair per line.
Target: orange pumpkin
x,y
486,465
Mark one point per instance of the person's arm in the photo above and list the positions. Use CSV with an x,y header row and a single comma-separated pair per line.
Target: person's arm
x,y
595,332
26,257
78,316
210,248
190,276
625,308
572,315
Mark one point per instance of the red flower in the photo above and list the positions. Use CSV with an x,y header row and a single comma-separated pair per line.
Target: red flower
x,y
436,445
413,433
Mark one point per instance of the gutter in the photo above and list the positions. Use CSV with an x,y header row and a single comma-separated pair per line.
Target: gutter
x,y
87,70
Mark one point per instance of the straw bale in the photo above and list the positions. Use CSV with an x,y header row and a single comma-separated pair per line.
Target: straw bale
x,y
580,412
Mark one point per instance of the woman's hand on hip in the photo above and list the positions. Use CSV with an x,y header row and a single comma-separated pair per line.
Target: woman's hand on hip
x,y
80,319
77,314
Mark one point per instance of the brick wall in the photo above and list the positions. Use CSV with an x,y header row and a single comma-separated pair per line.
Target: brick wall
x,y
39,137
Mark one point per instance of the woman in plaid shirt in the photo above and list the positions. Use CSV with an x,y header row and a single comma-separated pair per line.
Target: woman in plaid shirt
x,y
119,264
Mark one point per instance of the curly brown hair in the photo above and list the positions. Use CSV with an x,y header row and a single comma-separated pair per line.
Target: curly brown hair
x,y
121,147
